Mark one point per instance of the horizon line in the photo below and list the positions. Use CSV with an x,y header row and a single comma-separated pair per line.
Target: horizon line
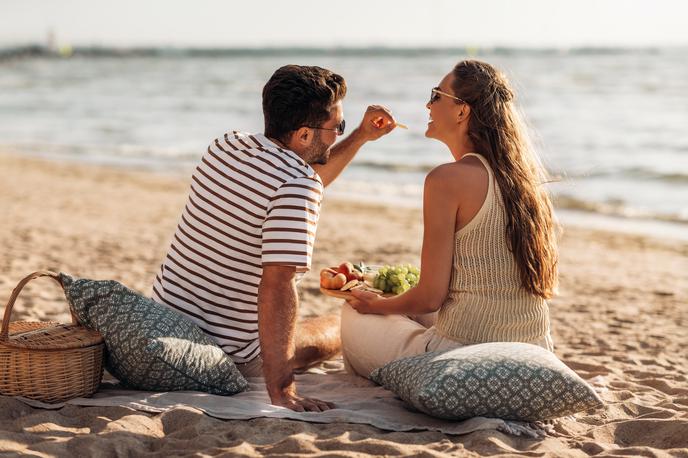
x,y
42,48
356,47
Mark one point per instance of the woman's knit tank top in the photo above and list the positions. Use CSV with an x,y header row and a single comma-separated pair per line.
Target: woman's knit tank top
x,y
486,301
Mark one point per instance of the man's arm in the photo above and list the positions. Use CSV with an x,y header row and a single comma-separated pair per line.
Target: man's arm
x,y
377,121
277,311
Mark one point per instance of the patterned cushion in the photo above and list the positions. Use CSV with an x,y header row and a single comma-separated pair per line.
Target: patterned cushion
x,y
149,346
513,381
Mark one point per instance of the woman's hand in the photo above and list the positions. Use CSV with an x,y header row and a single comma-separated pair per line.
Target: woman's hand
x,y
365,302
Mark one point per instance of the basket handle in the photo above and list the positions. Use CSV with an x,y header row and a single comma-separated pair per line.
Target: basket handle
x,y
4,333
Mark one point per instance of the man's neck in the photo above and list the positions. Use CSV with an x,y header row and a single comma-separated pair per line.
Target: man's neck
x,y
287,147
277,142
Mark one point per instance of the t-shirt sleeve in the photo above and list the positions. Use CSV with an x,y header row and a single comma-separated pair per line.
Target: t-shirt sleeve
x,y
291,222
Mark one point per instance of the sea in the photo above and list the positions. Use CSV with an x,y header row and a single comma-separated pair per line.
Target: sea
x,y
610,125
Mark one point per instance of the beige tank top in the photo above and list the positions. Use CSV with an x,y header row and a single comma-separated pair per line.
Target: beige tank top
x,y
486,302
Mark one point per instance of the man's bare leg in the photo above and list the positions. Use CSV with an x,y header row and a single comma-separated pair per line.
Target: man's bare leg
x,y
317,340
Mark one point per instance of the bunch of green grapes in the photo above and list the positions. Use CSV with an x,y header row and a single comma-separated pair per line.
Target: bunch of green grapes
x,y
396,279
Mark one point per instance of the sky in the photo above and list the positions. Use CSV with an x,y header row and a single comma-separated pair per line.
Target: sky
x,y
346,23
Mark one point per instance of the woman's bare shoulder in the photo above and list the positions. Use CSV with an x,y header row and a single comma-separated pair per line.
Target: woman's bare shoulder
x,y
469,171
442,176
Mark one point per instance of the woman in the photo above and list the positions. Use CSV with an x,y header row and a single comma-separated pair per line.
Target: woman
x,y
489,256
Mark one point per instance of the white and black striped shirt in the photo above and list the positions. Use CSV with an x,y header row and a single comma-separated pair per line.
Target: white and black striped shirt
x,y
251,204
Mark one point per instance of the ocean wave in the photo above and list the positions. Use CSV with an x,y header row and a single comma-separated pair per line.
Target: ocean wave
x,y
617,207
635,173
378,190
127,156
398,166
668,177
394,166
411,195
115,151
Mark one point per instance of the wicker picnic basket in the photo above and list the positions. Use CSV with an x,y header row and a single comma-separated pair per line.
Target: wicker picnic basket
x,y
48,361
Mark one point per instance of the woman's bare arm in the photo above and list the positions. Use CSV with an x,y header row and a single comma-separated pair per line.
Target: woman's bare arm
x,y
440,206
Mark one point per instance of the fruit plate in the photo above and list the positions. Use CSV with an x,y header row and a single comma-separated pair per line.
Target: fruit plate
x,y
343,294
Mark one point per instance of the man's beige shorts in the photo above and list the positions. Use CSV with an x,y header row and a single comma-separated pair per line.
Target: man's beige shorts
x,y
371,341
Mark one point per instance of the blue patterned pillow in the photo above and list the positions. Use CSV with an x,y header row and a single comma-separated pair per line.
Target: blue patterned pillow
x,y
509,380
149,346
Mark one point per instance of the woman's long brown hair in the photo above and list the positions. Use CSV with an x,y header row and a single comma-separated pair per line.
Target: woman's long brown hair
x,y
497,132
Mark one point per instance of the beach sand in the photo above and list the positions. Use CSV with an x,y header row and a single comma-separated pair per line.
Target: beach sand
x,y
620,319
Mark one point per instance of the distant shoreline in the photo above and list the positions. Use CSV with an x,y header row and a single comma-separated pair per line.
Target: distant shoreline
x,y
39,50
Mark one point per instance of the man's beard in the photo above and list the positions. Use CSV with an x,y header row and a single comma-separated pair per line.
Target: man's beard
x,y
318,152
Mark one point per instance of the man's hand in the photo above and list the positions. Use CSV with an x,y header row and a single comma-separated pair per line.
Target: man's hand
x,y
277,310
288,398
377,121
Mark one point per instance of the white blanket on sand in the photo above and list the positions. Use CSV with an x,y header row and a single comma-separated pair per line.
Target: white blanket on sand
x,y
357,400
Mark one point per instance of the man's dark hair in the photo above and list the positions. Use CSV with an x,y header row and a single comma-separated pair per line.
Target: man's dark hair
x,y
297,96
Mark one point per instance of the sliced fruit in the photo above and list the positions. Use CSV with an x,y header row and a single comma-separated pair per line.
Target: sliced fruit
x,y
349,285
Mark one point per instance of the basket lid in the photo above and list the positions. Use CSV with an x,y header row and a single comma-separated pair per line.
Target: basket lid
x,y
50,336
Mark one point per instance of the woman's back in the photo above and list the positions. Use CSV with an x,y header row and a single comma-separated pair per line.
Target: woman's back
x,y
486,301
473,186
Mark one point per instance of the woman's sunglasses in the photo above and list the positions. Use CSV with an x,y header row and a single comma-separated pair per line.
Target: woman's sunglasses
x,y
436,93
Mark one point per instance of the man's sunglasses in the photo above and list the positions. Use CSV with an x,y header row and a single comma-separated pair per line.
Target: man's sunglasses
x,y
339,129
436,93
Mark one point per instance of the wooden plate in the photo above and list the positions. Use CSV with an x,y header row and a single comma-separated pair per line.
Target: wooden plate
x,y
343,294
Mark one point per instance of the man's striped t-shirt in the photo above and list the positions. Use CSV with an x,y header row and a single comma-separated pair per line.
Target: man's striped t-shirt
x,y
251,204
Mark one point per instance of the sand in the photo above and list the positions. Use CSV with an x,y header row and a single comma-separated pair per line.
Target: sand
x,y
619,320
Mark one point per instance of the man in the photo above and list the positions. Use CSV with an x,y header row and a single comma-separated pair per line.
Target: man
x,y
248,229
